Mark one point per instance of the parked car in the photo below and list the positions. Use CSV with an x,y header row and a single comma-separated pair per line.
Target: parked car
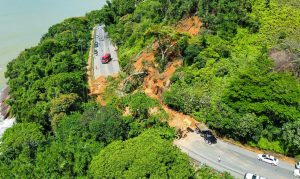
x,y
96,52
253,176
268,159
297,165
297,172
106,58
209,138
96,44
204,132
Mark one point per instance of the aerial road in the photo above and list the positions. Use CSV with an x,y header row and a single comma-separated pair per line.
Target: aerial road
x,y
102,47
233,159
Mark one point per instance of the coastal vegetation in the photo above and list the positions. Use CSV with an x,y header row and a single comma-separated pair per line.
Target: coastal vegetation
x,y
240,75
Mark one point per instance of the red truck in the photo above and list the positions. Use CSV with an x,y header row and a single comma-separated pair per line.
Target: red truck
x,y
106,58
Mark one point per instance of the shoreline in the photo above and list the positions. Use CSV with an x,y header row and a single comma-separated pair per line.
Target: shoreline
x,y
4,108
5,122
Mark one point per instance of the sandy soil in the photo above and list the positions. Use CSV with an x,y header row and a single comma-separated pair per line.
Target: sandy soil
x,y
190,25
156,83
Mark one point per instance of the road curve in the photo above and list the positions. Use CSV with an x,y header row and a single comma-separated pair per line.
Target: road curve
x,y
104,46
234,160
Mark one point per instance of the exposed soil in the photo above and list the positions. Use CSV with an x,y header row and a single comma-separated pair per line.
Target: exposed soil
x,y
284,60
98,88
179,120
127,112
190,25
156,83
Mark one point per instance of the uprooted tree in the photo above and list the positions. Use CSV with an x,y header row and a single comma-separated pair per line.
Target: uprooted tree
x,y
167,44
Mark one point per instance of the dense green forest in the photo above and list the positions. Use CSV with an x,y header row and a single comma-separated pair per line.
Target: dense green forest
x,y
240,75
62,133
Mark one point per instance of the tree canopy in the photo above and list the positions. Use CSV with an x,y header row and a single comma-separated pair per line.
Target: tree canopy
x,y
146,156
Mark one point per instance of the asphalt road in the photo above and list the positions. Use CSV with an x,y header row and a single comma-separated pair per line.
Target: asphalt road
x,y
105,46
234,160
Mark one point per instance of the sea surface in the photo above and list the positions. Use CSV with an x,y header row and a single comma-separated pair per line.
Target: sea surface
x,y
23,22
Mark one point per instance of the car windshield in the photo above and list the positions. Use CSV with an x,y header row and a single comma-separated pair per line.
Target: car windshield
x,y
207,132
264,156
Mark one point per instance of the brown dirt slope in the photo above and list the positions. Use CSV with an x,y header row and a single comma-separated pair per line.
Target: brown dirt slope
x,y
155,83
190,25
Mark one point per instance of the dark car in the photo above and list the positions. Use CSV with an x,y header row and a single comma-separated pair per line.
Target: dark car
x,y
96,52
209,138
205,132
96,44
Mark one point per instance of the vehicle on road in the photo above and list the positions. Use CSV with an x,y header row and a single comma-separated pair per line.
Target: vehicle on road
x,y
297,172
268,159
106,58
96,44
253,176
297,165
209,138
204,132
96,52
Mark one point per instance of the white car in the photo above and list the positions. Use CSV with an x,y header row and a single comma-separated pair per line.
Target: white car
x,y
267,158
297,172
297,165
253,176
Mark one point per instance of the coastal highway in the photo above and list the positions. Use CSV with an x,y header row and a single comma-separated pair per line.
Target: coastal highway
x,y
104,46
234,160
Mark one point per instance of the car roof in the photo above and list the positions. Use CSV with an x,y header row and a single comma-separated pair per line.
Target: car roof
x,y
268,155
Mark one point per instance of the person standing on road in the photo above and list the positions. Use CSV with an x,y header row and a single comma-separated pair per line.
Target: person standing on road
x,y
219,159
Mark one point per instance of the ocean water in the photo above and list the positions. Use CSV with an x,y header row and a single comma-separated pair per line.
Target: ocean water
x,y
23,22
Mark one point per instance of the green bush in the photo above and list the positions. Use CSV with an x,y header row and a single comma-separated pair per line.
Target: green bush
x,y
263,143
147,156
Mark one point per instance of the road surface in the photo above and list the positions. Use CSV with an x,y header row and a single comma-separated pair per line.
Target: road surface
x,y
235,160
104,46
